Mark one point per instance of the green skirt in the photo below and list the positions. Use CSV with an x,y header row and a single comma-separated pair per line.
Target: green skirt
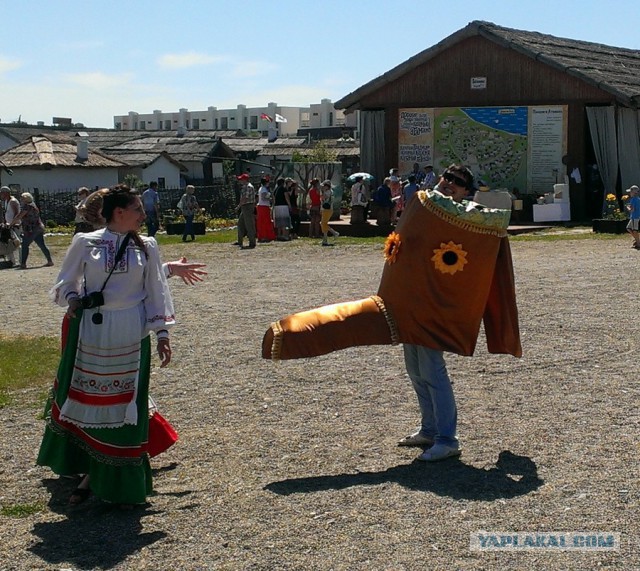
x,y
116,459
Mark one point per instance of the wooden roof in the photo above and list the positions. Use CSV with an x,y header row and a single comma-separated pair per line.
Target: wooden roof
x,y
103,139
142,159
182,149
615,70
286,146
50,151
262,144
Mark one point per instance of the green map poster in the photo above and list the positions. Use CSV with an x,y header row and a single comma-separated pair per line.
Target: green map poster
x,y
505,147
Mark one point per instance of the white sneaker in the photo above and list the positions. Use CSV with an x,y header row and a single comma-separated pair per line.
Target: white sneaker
x,y
439,452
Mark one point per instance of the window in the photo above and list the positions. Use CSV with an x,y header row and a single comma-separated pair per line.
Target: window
x,y
118,125
161,182
254,121
167,125
331,119
196,123
143,125
224,123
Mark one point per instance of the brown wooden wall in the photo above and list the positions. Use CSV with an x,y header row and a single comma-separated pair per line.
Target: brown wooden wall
x,y
512,79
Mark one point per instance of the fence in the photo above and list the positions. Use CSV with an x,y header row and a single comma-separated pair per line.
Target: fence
x,y
218,199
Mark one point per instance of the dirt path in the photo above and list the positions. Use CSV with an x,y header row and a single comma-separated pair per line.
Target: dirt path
x,y
295,466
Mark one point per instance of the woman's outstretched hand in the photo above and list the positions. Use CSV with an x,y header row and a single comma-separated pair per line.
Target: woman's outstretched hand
x,y
189,272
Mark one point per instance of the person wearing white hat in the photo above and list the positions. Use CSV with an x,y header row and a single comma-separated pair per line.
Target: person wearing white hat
x,y
634,216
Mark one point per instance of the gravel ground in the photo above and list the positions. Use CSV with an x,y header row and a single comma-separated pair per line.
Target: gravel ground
x,y
295,466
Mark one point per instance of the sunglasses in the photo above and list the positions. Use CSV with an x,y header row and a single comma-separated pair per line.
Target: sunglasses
x,y
457,180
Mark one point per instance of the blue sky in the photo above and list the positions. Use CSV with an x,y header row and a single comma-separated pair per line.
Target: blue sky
x,y
92,60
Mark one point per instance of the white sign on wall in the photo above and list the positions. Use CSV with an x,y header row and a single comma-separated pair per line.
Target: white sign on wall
x,y
478,83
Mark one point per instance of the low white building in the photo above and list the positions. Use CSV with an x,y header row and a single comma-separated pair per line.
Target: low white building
x,y
247,119
57,163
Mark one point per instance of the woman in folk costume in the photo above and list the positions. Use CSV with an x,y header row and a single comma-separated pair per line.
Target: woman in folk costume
x,y
97,415
162,435
265,229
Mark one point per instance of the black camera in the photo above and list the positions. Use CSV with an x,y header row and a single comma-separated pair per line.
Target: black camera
x,y
94,299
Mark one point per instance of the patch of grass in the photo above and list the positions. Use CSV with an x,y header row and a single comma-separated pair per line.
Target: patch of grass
x,y
22,510
216,237
26,362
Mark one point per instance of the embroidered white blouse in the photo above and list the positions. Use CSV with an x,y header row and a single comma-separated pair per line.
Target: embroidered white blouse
x,y
137,278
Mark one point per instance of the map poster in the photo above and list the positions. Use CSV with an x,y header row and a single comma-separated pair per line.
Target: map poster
x,y
491,141
415,139
505,147
547,145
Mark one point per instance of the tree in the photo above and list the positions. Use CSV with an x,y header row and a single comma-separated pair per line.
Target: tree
x,y
133,181
306,165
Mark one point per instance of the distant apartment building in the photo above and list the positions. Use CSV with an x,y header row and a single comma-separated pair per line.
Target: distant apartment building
x,y
248,119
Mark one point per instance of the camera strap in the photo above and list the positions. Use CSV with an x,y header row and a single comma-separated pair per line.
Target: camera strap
x,y
119,255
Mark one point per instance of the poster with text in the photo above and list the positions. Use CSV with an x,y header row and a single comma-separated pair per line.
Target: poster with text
x,y
547,145
415,139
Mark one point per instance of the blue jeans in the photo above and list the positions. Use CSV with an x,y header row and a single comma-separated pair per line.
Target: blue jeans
x,y
152,224
188,227
428,373
38,238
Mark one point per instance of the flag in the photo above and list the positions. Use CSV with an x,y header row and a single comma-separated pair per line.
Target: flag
x,y
266,117
280,119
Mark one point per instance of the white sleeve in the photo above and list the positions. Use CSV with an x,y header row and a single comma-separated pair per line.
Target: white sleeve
x,y
69,282
158,302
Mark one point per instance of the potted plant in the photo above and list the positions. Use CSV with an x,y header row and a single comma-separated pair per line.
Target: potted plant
x,y
614,219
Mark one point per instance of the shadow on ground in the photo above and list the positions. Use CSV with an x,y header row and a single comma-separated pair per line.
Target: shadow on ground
x,y
94,535
512,476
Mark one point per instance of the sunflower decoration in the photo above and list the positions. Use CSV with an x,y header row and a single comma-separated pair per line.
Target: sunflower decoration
x,y
392,247
449,258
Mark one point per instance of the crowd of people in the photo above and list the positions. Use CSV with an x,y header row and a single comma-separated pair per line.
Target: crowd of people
x,y
274,212
22,226
395,192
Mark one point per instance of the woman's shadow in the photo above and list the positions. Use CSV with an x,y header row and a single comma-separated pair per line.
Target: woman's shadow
x,y
95,534
512,476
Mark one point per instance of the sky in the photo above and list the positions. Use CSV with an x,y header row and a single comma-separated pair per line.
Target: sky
x,y
94,59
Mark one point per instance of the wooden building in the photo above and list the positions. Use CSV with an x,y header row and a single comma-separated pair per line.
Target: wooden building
x,y
520,108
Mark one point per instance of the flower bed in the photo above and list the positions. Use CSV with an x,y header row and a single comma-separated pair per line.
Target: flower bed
x,y
605,226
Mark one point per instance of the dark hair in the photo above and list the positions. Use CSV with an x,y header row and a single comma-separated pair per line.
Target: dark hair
x,y
121,196
464,172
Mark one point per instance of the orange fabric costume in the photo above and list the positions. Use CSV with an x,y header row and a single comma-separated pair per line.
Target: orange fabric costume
x,y
445,272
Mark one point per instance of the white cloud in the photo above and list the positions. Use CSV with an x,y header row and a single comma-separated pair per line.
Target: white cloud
x,y
7,64
188,59
100,81
246,69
